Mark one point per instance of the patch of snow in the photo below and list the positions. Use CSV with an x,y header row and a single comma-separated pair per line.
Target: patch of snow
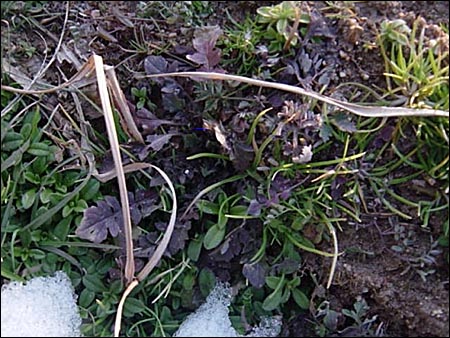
x,y
211,319
43,307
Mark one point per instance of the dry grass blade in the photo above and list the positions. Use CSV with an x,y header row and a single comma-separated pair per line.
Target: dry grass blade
x,y
114,143
162,246
119,98
366,111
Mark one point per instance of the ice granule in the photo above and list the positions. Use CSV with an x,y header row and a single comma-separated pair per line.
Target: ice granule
x,y
43,307
211,319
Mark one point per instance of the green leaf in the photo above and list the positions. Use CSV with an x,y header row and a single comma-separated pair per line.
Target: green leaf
x,y
80,206
39,149
28,198
37,254
194,249
90,190
206,281
12,141
62,229
214,236
285,296
294,282
273,300
300,298
94,283
67,210
188,282
32,177
208,207
239,210
282,25
343,122
272,281
86,298
44,196
133,306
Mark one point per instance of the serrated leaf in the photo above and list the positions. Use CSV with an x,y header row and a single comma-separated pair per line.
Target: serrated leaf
x,y
214,236
300,298
97,221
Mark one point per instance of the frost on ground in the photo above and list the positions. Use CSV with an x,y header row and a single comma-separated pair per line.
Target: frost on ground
x,y
44,307
211,319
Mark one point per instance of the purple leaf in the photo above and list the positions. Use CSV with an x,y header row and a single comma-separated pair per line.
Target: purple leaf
x,y
107,215
156,65
158,141
254,209
148,121
255,273
204,42
97,221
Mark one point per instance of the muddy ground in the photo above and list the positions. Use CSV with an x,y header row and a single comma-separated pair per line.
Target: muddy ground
x,y
408,294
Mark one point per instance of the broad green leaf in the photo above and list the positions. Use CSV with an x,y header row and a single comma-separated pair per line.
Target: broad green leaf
x,y
272,281
206,281
194,248
32,177
238,210
90,190
273,300
67,210
86,298
44,196
133,306
214,236
80,206
208,207
12,141
28,198
62,229
300,299
188,282
39,149
94,283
